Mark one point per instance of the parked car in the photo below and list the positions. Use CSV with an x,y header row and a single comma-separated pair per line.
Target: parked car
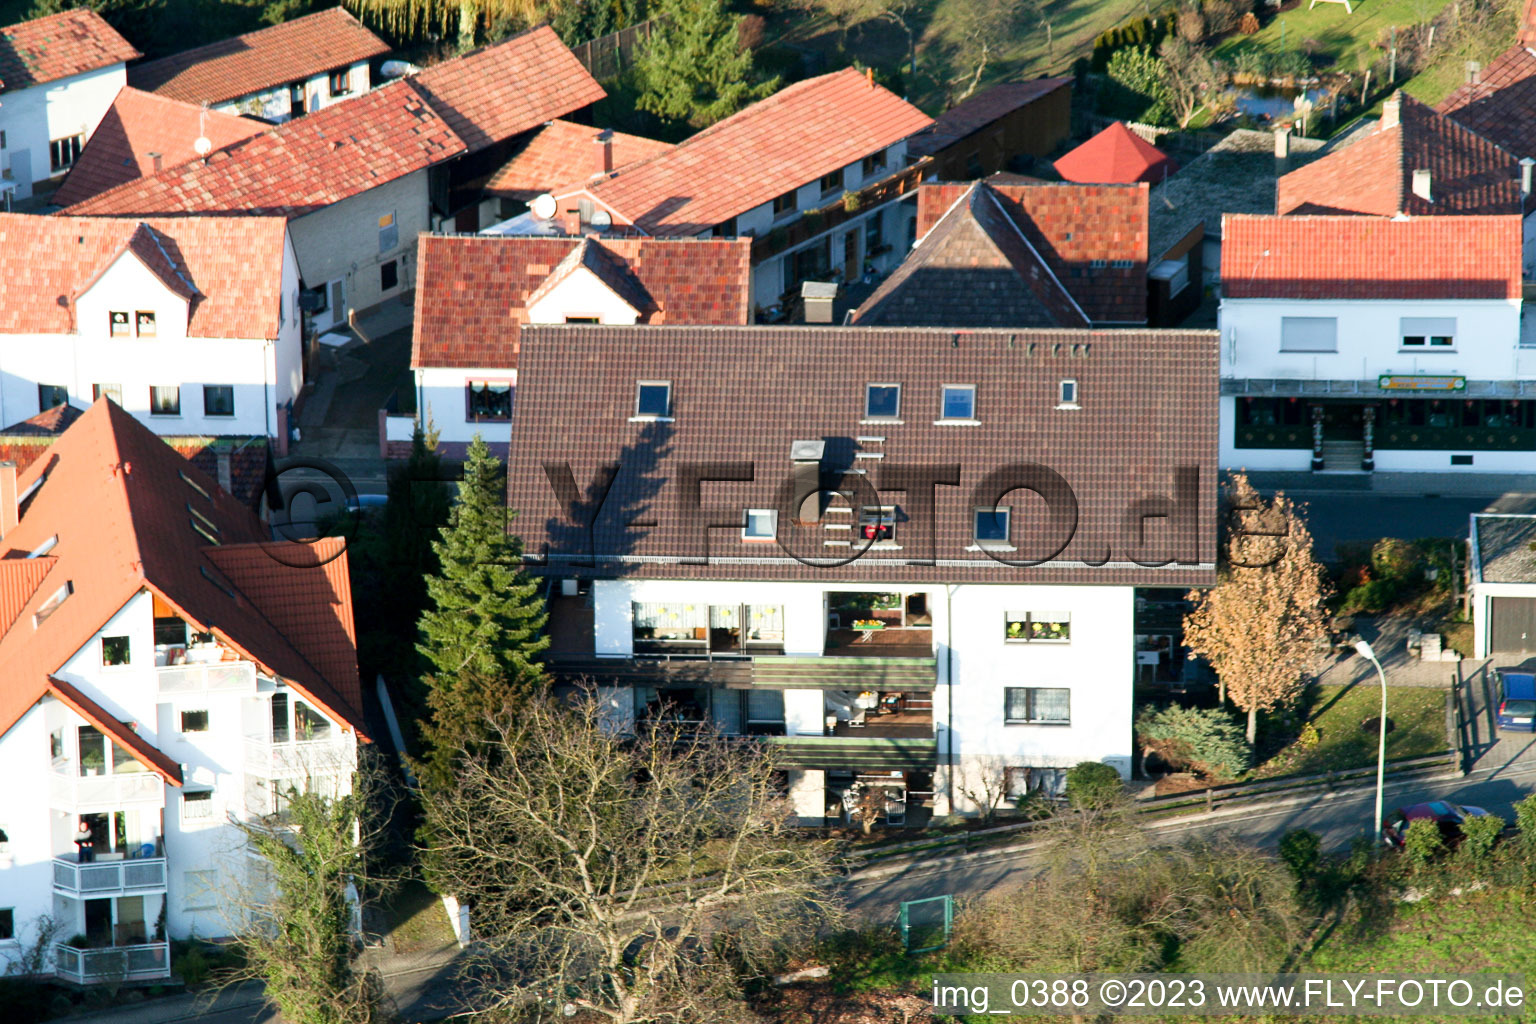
x,y
1448,815
1517,702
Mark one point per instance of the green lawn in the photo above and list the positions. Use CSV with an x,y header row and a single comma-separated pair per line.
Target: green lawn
x,y
1327,30
1417,715
418,923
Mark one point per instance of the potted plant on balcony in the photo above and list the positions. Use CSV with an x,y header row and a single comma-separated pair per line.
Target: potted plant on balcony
x,y
1015,630
850,202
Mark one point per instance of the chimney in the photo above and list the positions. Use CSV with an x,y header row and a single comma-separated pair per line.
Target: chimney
x,y
10,512
155,159
1421,186
1474,73
806,457
225,472
604,163
1526,164
570,222
1391,112
1282,149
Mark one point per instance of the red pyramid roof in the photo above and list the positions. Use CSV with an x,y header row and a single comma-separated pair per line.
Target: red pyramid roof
x,y
1116,154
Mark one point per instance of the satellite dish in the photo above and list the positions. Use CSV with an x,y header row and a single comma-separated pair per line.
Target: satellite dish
x,y
543,206
602,219
202,146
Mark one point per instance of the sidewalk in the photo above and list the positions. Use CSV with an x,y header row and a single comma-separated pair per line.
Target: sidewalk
x,y
1464,485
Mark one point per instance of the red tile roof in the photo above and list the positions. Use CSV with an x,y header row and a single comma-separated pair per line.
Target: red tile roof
x,y
560,153
472,292
117,499
494,93
121,732
232,264
139,124
1527,32
975,268
58,46
1093,237
1468,174
267,58
970,116
1116,154
299,166
48,423
1501,106
26,442
1354,257
790,139
19,580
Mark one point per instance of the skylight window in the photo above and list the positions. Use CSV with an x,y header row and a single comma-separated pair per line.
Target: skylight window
x,y
204,532
959,402
1069,395
760,524
653,399
51,605
43,548
882,401
194,485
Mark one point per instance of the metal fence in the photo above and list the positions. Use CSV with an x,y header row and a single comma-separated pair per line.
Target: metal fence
x,y
926,923
143,962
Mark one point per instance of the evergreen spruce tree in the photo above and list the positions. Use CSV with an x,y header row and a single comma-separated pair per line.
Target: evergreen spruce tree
x,y
482,632
693,67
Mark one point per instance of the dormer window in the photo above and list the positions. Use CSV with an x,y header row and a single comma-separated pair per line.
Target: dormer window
x,y
653,399
144,323
340,85
118,322
882,401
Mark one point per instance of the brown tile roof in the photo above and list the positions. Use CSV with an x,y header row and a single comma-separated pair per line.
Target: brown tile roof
x,y
472,292
494,93
743,394
1354,257
139,124
975,268
314,44
48,423
790,139
560,153
1093,237
970,116
1468,174
1116,154
232,264
117,499
299,166
58,46
1501,106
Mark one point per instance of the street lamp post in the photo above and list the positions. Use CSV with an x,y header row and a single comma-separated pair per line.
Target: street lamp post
x,y
1364,650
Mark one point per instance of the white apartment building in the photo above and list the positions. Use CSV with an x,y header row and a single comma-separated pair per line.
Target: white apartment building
x,y
58,76
822,538
169,671
192,325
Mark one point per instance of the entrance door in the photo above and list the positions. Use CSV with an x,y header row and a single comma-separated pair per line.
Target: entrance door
x,y
336,297
1343,422
131,929
1514,624
851,268
21,172
98,922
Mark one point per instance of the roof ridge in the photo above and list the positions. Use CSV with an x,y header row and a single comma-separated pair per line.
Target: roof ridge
x,y
1003,212
175,267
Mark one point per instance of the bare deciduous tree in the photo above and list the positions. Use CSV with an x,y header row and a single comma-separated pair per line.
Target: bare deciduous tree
x,y
1187,76
634,877
1263,626
984,782
977,26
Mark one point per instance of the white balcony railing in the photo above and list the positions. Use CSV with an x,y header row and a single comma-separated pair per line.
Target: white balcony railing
x,y
144,962
218,675
80,792
103,878
299,760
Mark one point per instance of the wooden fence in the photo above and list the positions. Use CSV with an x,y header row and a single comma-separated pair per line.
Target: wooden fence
x,y
605,56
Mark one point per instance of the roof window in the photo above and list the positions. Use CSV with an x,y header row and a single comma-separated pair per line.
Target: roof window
x,y
51,605
43,548
194,484
653,399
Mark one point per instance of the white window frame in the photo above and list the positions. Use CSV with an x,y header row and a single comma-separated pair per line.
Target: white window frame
x,y
197,820
651,417
181,721
1006,511
128,663
1068,394
870,417
1306,334
944,416
1030,702
1426,329
772,517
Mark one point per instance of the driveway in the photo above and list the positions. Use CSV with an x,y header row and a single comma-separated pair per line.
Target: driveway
x,y
340,418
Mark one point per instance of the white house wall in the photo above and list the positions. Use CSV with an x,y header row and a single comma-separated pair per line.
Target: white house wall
x,y
31,118
440,396
275,105
341,241
26,874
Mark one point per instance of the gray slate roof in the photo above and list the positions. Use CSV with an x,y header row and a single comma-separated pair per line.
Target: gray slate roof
x,y
1505,548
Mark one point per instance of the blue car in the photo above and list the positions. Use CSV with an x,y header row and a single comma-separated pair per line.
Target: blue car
x,y
1517,702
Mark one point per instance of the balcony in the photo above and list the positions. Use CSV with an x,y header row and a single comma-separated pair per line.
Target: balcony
x,y
213,676
836,212
71,792
298,760
137,876
873,672
147,961
864,753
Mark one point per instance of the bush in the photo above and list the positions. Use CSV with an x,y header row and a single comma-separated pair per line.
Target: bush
x,y
1525,823
1139,92
1397,560
1222,15
1478,837
1369,597
1092,785
1251,64
1293,64
1208,740
1191,25
1422,843
1301,850
192,967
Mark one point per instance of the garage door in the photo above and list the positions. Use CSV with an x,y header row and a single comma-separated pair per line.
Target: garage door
x,y
1514,624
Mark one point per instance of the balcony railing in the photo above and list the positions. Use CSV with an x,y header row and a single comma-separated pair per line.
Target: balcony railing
x,y
787,236
218,675
144,962
298,760
80,792
100,879
748,671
